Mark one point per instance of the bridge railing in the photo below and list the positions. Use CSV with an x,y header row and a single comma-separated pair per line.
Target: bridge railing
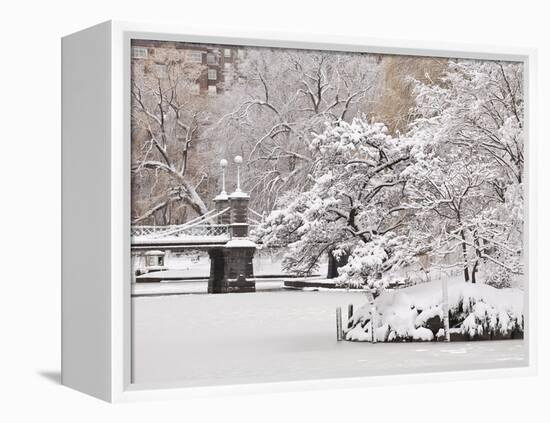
x,y
191,230
145,230
179,231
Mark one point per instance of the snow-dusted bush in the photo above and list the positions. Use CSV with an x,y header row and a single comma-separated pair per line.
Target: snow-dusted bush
x,y
416,314
499,278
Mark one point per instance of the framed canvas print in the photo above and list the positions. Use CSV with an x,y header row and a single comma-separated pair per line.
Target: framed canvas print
x,y
265,212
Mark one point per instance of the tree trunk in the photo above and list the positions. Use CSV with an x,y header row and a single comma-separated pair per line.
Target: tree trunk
x,y
465,254
334,264
478,254
474,271
193,199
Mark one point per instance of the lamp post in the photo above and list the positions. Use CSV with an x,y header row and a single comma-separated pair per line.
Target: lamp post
x,y
238,161
222,199
223,165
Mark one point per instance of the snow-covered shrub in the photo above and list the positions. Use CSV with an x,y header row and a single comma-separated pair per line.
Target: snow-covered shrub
x,y
500,278
416,314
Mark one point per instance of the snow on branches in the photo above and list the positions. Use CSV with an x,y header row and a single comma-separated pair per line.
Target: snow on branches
x,y
167,120
465,177
477,106
373,265
449,190
347,212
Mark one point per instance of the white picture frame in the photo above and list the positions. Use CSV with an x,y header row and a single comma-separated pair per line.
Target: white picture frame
x,y
96,312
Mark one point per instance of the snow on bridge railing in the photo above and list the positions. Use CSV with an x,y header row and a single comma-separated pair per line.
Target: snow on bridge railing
x,y
178,231
186,228
192,230
145,230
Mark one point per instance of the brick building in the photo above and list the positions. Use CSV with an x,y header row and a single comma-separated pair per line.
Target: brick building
x,y
219,62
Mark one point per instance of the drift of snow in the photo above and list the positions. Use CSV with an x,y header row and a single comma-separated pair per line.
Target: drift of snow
x,y
240,243
404,314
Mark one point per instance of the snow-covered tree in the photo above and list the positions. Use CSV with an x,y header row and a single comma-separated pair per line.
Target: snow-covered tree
x,y
347,212
466,172
450,189
478,106
167,119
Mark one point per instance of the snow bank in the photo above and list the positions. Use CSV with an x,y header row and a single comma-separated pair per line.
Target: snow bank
x,y
476,311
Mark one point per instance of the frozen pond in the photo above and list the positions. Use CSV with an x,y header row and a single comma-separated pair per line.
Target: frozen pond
x,y
196,264
275,336
198,286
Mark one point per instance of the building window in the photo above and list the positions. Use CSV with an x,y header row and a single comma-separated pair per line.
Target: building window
x,y
212,74
139,53
241,54
227,52
227,66
194,56
159,69
211,59
212,90
195,89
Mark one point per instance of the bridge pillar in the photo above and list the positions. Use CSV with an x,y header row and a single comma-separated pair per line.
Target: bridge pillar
x,y
239,251
222,202
217,268
231,268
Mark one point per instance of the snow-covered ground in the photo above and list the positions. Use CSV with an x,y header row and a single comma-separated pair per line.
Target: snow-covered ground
x,y
283,335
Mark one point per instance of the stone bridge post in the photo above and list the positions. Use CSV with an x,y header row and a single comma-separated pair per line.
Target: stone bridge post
x,y
231,267
239,251
215,280
221,201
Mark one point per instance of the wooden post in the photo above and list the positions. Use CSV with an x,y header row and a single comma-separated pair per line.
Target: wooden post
x,y
350,315
372,324
338,324
445,308
133,267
